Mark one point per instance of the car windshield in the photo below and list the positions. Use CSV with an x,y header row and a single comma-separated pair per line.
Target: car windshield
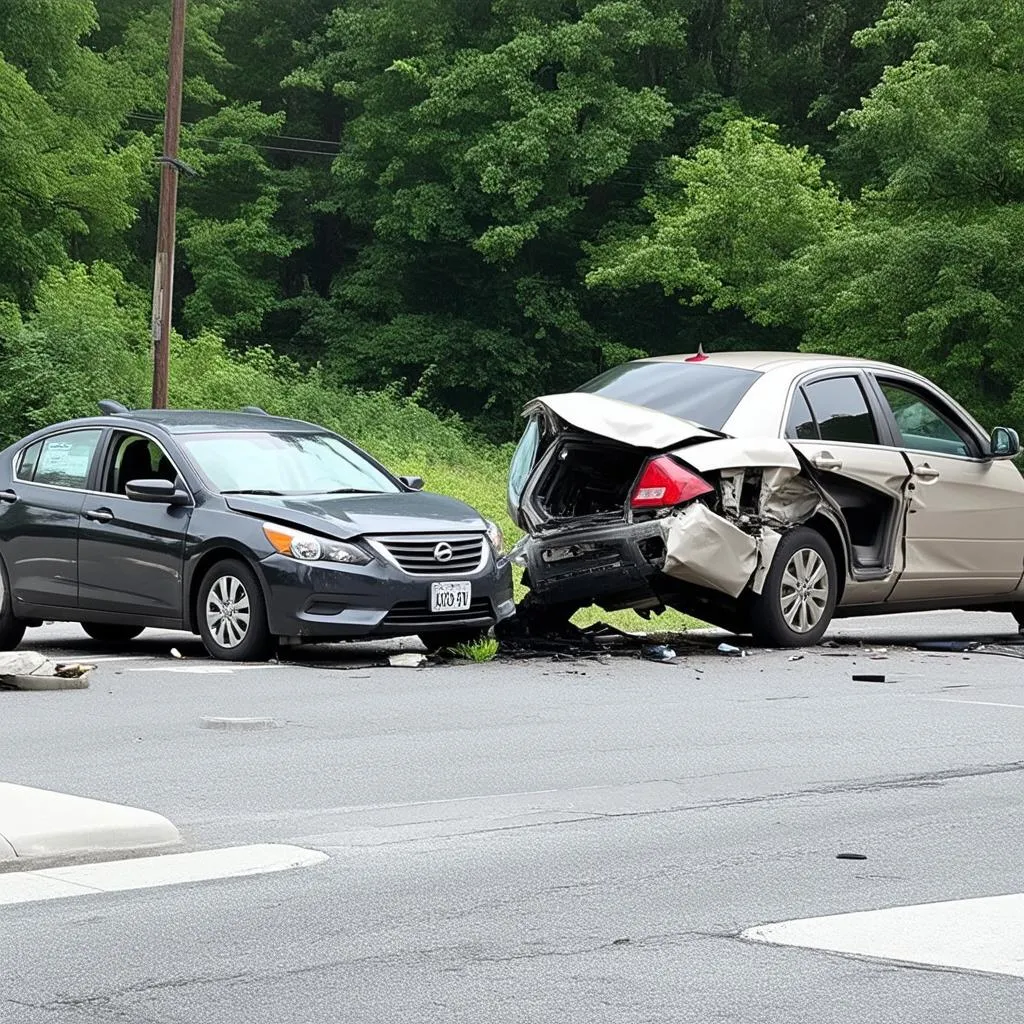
x,y
258,462
700,392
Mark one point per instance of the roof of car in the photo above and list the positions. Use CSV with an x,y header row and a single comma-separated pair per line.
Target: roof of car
x,y
765,361
197,421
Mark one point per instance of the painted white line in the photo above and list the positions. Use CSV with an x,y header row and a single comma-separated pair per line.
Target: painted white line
x,y
979,703
153,872
41,823
971,935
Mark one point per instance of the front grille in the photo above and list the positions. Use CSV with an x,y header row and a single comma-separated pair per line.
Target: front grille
x,y
418,555
418,613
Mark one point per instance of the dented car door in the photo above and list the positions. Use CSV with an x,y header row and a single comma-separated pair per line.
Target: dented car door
x,y
965,517
835,427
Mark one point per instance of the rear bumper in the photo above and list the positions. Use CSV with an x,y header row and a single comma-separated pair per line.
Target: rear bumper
x,y
615,565
321,602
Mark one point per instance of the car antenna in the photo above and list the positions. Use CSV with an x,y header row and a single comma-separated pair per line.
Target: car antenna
x,y
111,408
700,357
255,410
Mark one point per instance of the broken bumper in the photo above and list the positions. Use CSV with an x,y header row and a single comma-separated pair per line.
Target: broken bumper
x,y
614,565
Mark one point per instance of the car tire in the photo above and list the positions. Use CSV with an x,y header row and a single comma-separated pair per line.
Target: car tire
x,y
232,614
446,638
108,633
12,629
799,596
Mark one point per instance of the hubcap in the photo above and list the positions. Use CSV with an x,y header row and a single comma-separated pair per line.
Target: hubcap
x,y
804,590
227,611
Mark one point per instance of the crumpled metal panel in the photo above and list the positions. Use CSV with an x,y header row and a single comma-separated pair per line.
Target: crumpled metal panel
x,y
705,549
621,421
741,453
788,498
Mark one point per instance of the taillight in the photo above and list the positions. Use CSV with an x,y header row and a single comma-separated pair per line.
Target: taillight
x,y
665,484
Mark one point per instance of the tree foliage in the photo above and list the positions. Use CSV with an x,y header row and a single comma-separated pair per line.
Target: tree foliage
x,y
467,202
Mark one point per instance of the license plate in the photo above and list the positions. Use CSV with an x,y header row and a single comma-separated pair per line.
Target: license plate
x,y
450,597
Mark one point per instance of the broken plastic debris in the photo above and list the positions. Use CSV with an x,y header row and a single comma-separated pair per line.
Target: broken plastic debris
x,y
411,660
851,856
175,653
659,653
797,657
730,651
28,670
868,679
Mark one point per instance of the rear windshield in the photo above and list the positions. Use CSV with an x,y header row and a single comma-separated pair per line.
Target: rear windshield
x,y
701,392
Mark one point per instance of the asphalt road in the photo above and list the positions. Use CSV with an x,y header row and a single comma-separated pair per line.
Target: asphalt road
x,y
495,832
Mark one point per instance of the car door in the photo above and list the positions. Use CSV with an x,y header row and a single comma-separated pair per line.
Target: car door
x,y
835,423
965,517
39,517
131,553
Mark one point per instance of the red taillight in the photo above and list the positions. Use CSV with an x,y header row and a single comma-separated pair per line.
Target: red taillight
x,y
665,484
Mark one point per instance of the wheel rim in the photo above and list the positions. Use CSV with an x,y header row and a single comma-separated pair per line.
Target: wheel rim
x,y
227,611
804,590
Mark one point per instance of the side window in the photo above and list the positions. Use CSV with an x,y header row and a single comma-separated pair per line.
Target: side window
x,y
27,463
922,427
801,425
842,411
136,458
64,460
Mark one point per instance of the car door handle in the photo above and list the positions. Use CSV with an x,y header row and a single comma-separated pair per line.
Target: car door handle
x,y
926,472
99,515
8,497
826,461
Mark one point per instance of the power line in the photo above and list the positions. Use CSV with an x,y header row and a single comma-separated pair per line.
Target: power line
x,y
266,135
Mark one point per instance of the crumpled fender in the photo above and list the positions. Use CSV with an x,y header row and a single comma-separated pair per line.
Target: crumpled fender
x,y
621,421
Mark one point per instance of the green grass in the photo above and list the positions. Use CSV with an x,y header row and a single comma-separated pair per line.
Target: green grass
x,y
485,649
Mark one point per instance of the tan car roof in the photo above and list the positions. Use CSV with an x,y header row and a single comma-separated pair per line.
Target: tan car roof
x,y
799,362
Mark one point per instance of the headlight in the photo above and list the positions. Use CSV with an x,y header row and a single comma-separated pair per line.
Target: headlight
x,y
307,548
496,537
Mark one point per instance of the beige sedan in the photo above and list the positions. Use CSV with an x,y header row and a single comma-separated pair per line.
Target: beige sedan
x,y
766,492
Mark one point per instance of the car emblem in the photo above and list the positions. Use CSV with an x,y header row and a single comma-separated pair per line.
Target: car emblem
x,y
443,552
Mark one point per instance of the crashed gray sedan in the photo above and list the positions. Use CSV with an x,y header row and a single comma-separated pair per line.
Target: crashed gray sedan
x,y
765,493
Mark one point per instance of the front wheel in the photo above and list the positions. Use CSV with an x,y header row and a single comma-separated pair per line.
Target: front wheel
x,y
106,633
232,614
12,629
799,596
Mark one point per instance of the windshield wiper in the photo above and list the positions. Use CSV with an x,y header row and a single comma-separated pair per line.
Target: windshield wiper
x,y
272,494
346,490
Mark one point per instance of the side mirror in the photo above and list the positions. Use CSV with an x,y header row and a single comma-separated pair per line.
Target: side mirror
x,y
156,492
414,483
1005,443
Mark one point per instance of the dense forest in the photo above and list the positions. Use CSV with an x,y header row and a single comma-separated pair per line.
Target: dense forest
x,y
464,203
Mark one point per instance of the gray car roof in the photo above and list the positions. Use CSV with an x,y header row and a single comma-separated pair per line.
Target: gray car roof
x,y
196,421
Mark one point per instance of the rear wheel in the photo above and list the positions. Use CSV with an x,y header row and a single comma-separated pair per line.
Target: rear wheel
x,y
799,596
107,633
11,629
446,638
232,614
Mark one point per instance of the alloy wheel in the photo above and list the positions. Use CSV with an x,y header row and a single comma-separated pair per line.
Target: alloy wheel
x,y
228,612
804,590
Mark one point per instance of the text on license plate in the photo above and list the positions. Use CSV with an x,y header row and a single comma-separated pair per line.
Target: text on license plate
x,y
450,597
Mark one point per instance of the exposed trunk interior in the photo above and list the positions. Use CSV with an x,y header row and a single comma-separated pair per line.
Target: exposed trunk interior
x,y
586,479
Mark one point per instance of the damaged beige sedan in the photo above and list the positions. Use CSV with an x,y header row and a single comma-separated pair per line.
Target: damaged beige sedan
x,y
766,493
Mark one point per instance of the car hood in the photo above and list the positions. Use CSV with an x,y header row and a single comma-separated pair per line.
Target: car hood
x,y
624,422
344,516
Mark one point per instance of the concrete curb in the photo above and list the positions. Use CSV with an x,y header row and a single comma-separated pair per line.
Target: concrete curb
x,y
37,823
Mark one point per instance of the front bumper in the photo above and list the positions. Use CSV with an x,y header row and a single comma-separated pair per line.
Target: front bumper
x,y
316,601
614,565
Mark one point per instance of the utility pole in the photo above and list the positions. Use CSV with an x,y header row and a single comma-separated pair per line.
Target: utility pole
x,y
163,274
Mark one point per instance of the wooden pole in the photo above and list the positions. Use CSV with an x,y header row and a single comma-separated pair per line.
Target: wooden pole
x,y
163,274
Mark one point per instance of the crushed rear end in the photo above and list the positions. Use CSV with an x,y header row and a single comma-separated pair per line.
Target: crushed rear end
x,y
626,507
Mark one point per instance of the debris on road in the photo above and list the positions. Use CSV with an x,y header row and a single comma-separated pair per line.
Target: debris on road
x,y
27,670
868,679
797,657
851,856
409,660
240,724
659,653
175,653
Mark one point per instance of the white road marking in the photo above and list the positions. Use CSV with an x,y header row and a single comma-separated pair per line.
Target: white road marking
x,y
979,703
152,872
984,935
